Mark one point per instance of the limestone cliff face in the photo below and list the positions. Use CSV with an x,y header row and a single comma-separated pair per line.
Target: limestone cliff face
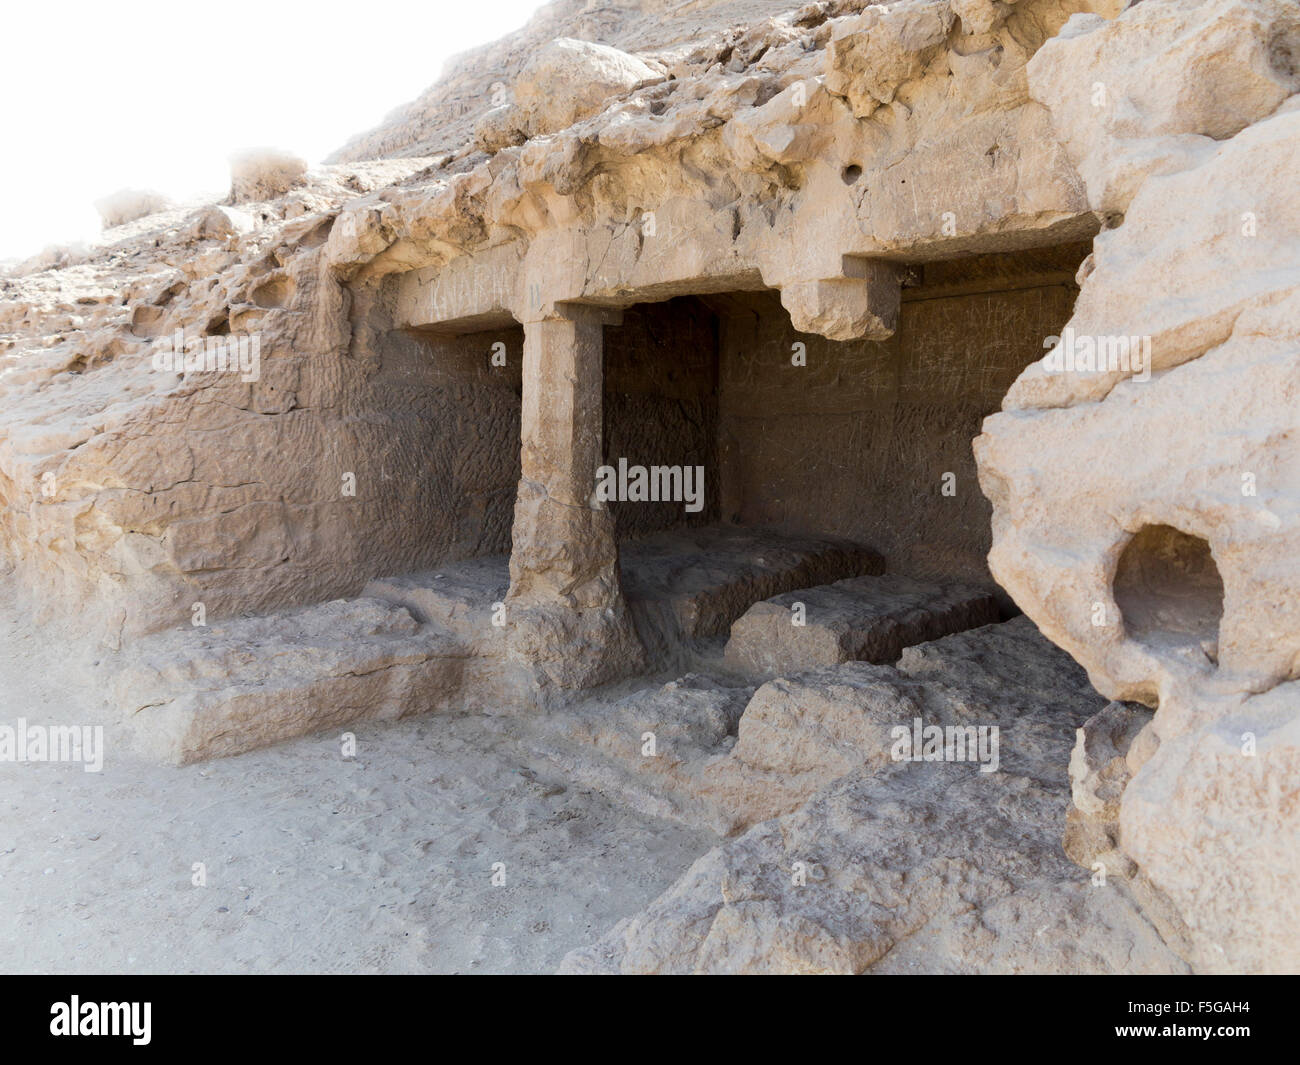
x,y
431,309
749,163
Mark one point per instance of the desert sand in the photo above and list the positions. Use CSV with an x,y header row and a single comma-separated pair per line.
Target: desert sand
x,y
314,863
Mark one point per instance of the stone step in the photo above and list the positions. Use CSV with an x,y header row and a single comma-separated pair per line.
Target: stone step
x,y
233,686
458,597
691,584
681,586
867,619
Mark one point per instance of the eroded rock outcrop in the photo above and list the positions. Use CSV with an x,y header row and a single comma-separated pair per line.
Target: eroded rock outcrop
x,y
899,866
429,396
1173,580
590,73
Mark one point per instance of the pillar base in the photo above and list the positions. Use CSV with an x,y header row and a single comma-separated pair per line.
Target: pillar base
x,y
572,647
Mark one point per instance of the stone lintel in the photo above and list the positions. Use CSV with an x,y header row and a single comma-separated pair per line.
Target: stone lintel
x,y
588,314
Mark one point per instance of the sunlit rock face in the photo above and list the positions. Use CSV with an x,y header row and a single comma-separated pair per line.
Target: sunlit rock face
x,y
1147,510
347,426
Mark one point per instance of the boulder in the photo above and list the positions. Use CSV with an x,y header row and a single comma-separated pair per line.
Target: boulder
x,y
569,80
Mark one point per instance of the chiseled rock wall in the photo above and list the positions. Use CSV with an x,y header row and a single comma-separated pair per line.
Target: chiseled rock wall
x,y
128,495
870,440
661,406
1147,522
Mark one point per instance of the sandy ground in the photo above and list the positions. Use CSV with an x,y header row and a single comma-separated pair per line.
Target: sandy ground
x,y
313,862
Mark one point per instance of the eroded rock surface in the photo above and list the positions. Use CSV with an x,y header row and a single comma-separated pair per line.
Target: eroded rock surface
x,y
868,619
1173,581
897,866
663,750
433,389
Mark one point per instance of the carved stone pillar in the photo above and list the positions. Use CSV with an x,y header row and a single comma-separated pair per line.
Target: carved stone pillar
x,y
566,613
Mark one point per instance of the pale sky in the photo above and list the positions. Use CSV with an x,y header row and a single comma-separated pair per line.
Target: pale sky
x,y
97,96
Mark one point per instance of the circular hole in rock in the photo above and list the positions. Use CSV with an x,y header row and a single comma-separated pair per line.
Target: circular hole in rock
x,y
1169,590
273,293
851,173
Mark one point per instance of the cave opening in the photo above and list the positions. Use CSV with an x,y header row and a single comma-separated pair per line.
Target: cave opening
x,y
1169,590
807,445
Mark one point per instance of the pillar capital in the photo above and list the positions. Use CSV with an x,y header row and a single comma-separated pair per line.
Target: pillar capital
x,y
862,302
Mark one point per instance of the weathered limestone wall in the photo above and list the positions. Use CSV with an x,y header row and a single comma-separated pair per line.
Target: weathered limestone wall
x,y
359,451
1148,524
661,405
132,493
452,458
857,442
